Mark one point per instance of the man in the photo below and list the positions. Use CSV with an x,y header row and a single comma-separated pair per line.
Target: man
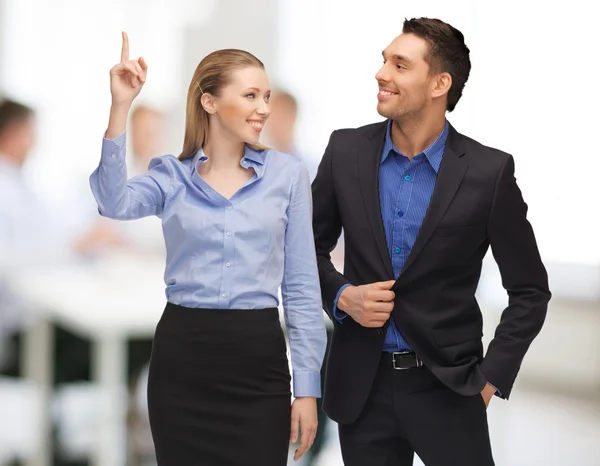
x,y
18,213
33,234
419,204
281,134
280,131
148,132
30,235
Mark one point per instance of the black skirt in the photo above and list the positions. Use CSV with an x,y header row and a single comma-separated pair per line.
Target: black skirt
x,y
219,388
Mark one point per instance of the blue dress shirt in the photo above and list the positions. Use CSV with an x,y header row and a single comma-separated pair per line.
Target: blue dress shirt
x,y
230,253
405,189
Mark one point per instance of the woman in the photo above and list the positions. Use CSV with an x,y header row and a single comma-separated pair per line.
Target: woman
x,y
236,219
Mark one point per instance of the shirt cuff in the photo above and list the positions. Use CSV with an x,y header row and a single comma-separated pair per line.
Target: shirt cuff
x,y
337,313
114,148
307,383
498,393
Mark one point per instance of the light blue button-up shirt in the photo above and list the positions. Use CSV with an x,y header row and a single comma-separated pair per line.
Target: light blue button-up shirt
x,y
230,253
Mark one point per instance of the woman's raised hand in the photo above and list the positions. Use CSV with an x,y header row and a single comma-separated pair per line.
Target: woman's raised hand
x,y
127,77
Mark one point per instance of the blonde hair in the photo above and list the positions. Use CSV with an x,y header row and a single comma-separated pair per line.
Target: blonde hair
x,y
211,75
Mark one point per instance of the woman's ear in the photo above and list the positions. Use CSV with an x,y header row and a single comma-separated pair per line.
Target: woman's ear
x,y
208,103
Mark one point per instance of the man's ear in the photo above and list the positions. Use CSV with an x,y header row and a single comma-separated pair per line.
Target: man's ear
x,y
441,85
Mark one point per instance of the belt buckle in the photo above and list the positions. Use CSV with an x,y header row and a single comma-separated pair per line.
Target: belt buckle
x,y
394,354
418,361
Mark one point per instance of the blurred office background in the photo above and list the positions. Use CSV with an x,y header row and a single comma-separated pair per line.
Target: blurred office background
x,y
84,294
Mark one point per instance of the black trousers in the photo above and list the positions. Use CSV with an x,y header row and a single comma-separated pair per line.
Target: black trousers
x,y
411,411
219,388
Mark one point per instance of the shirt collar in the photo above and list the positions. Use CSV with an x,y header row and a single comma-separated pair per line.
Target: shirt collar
x,y
252,158
256,156
433,153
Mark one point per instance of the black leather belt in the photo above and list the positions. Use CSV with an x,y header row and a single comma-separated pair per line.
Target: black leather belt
x,y
402,360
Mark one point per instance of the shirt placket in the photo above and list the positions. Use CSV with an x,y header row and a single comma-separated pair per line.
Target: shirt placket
x,y
228,257
399,215
408,180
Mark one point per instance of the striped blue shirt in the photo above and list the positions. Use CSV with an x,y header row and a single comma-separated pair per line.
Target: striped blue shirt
x,y
405,189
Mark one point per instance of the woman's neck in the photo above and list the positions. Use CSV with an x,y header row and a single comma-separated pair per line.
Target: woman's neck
x,y
223,152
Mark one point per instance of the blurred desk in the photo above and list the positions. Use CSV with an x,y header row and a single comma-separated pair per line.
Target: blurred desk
x,y
108,302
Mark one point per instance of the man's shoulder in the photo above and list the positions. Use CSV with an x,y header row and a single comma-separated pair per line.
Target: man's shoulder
x,y
482,159
480,150
358,132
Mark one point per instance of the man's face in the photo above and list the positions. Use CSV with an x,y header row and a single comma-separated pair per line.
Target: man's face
x,y
405,83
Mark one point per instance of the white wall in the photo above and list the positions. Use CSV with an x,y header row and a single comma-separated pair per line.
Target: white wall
x,y
531,90
531,93
2,39
248,25
57,56
330,50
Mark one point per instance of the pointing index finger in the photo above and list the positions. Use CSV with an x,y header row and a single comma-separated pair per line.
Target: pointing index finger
x,y
125,48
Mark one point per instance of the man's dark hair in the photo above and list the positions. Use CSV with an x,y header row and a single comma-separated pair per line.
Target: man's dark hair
x,y
447,52
12,112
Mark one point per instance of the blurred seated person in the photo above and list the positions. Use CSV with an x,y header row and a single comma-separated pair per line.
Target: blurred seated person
x,y
147,128
280,133
280,130
31,234
146,140
146,133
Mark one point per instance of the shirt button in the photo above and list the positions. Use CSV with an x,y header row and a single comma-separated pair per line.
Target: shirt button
x,y
114,156
228,264
228,233
407,177
224,295
400,213
397,250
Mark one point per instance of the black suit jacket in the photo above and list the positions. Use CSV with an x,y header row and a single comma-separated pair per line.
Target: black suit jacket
x,y
475,203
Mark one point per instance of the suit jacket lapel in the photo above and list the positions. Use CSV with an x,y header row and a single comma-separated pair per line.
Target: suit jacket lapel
x,y
369,158
452,170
